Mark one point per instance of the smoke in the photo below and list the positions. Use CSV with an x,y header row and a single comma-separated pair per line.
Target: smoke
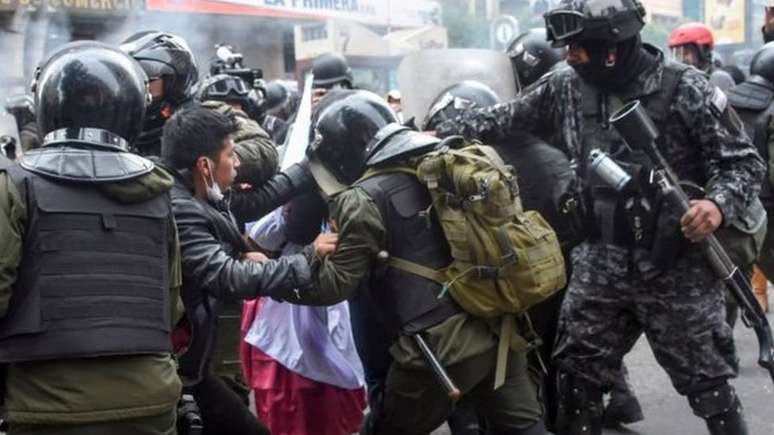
x,y
260,40
29,34
35,31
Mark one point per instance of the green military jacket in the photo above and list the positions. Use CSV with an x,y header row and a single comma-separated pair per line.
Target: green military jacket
x,y
341,275
257,153
87,390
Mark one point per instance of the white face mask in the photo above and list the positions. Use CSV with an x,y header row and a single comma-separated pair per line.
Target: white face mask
x,y
214,194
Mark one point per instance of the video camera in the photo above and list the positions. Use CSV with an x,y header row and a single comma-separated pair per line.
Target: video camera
x,y
227,61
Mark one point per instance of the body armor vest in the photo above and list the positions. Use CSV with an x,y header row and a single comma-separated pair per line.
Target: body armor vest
x,y
410,302
625,219
93,279
753,100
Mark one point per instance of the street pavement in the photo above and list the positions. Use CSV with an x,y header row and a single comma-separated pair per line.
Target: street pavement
x,y
667,413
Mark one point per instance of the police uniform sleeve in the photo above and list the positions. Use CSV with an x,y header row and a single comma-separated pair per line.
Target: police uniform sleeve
x,y
530,112
255,203
13,220
257,153
361,234
258,158
733,168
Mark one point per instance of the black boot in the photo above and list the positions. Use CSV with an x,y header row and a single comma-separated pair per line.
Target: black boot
x,y
623,408
729,423
580,407
719,406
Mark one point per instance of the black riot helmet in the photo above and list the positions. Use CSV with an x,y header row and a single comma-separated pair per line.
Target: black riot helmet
x,y
532,56
762,63
277,94
331,69
168,57
345,125
91,92
224,87
453,100
573,21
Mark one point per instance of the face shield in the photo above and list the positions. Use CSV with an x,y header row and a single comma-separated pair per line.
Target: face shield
x,y
420,89
687,54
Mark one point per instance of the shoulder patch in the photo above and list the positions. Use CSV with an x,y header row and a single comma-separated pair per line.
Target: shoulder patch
x,y
718,102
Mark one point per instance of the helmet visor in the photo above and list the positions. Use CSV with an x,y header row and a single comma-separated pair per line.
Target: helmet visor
x,y
562,25
686,54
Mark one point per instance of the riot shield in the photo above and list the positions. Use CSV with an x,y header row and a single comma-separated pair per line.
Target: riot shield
x,y
424,74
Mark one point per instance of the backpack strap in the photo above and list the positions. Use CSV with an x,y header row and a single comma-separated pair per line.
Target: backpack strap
x,y
374,172
658,103
417,269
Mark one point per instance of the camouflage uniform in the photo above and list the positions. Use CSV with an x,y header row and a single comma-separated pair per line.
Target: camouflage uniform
x,y
616,292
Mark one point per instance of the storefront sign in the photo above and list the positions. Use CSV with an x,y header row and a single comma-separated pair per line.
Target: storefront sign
x,y
398,13
88,6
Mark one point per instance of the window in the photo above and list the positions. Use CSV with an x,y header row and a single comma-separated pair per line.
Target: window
x,y
289,52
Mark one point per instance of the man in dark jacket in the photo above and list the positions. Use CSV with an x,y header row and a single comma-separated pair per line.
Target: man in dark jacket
x,y
218,266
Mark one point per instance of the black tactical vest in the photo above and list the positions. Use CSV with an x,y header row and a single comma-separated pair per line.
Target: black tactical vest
x,y
409,302
753,100
621,220
93,279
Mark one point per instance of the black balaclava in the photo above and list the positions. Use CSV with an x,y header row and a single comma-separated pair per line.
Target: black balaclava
x,y
148,143
613,69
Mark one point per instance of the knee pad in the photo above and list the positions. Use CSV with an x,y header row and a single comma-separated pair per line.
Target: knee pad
x,y
714,401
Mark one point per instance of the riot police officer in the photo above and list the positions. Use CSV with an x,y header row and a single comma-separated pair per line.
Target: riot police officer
x,y
331,71
532,56
386,211
754,101
623,284
90,258
172,72
547,183
280,105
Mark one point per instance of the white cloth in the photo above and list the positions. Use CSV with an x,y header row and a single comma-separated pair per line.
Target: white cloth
x,y
314,342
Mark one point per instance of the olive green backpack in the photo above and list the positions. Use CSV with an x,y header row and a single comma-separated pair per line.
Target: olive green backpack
x,y
505,259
